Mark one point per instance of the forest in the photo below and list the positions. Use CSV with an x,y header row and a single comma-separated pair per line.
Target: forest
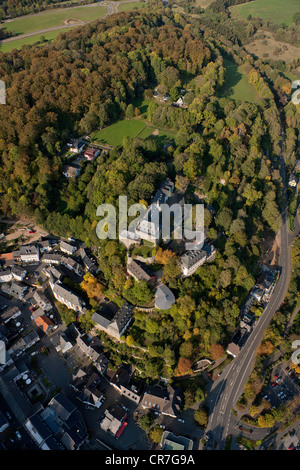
x,y
229,150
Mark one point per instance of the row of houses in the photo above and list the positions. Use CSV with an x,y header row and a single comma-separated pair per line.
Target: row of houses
x,y
260,294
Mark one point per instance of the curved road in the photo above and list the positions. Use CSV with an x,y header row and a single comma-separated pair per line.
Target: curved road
x,y
230,385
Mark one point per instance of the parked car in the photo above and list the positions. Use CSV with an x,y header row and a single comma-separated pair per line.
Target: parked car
x,y
18,435
181,420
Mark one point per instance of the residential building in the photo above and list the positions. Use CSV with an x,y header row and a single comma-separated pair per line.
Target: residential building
x,y
41,434
293,180
15,289
233,349
166,401
88,388
175,443
122,380
67,297
140,272
71,170
29,253
52,271
44,323
66,247
191,260
91,153
88,262
18,273
117,326
24,343
42,300
6,275
10,314
58,426
50,258
114,420
71,264
45,246
76,145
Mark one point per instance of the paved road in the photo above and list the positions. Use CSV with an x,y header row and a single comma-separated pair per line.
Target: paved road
x,y
227,389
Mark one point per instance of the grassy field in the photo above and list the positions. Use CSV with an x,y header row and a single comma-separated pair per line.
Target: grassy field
x,y
277,11
131,6
114,134
18,43
236,85
51,19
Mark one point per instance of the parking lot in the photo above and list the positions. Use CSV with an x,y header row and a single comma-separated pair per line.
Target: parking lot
x,y
283,386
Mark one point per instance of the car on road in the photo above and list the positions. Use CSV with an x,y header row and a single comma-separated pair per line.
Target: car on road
x,y
18,434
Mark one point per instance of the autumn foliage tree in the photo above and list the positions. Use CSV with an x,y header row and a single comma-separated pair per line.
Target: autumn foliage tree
x,y
184,365
92,286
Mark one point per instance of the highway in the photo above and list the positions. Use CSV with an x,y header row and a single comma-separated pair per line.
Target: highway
x,y
227,389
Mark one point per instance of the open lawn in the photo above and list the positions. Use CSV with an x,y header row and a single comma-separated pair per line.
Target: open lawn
x,y
236,85
277,11
18,43
113,135
131,6
51,19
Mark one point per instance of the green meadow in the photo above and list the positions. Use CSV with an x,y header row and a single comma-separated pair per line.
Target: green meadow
x,y
50,19
277,11
236,85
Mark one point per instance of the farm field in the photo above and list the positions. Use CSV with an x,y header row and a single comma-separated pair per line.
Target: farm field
x,y
236,85
50,19
277,11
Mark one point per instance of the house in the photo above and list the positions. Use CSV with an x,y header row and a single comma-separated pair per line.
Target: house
x,y
42,300
76,145
91,347
41,434
44,323
166,401
66,247
140,272
91,153
88,389
180,103
6,275
65,342
164,297
71,170
233,349
58,426
51,258
66,296
10,314
293,180
265,281
24,343
15,289
71,264
191,261
122,380
114,420
18,273
45,246
88,263
117,326
170,441
29,253
52,271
